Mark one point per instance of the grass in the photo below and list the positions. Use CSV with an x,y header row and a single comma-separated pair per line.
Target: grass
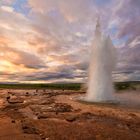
x,y
130,85
68,86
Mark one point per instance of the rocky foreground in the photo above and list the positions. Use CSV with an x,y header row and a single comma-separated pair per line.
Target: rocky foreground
x,y
54,115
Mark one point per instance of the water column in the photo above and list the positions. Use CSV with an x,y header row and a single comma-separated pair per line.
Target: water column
x,y
102,62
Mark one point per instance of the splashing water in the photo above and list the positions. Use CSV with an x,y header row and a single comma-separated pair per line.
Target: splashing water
x,y
102,62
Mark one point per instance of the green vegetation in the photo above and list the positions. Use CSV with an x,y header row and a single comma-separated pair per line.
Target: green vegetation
x,y
132,85
68,86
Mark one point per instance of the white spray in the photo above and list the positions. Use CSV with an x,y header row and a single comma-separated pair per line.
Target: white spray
x,y
102,62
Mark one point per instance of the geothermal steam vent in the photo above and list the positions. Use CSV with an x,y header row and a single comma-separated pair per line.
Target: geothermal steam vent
x,y
102,62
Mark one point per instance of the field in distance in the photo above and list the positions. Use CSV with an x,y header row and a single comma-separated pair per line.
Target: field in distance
x,y
132,85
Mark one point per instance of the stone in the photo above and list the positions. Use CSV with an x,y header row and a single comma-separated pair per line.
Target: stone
x,y
27,94
13,121
71,118
132,115
42,116
14,100
62,107
29,129
77,110
86,115
47,101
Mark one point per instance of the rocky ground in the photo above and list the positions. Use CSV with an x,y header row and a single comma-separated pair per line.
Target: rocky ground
x,y
55,115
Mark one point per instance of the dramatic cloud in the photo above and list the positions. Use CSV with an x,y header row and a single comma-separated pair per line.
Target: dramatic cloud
x,y
49,40
6,2
20,57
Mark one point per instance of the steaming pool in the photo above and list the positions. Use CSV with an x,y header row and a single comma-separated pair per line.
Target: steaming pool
x,y
129,99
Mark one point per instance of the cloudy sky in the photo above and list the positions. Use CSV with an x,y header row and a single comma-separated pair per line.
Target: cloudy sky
x,y
49,40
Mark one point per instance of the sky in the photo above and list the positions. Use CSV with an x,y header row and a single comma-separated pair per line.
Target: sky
x,y
49,40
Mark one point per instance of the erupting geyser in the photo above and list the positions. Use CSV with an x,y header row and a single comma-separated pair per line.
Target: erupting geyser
x,y
102,62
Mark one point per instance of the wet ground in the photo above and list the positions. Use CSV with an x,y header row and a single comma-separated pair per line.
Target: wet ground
x,y
54,115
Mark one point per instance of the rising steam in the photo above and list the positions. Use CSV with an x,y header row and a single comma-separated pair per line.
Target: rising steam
x,y
102,62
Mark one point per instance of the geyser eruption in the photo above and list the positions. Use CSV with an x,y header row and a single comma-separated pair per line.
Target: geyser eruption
x,y
102,62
